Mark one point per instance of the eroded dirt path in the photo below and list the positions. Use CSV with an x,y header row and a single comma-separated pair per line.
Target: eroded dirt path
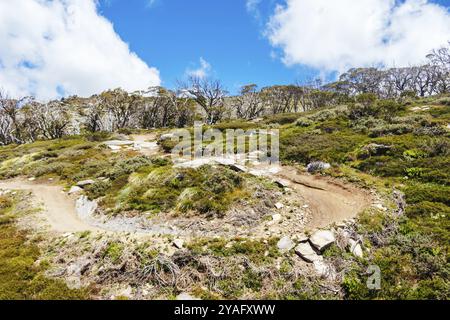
x,y
58,208
330,201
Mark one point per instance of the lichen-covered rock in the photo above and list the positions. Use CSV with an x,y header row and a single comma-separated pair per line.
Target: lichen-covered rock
x,y
85,207
307,253
317,166
75,189
178,243
322,239
85,183
285,244
355,248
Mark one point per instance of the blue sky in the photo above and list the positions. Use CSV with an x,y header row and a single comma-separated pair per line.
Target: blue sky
x,y
58,48
173,34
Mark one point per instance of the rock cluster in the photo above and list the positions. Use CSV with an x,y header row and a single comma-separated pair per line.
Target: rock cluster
x,y
310,248
317,166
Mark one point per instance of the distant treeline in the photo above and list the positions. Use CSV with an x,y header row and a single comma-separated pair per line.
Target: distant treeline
x,y
25,120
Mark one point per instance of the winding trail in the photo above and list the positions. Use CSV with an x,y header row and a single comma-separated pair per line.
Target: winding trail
x,y
329,201
58,207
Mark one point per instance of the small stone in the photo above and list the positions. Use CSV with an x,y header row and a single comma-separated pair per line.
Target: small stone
x,y
178,243
31,179
185,296
322,269
279,205
307,253
115,148
379,206
317,166
75,189
119,143
276,217
355,248
285,244
322,239
282,183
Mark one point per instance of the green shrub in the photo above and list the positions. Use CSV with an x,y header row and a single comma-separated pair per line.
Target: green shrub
x,y
128,165
98,136
20,277
98,189
282,118
57,168
427,208
236,124
391,129
114,251
303,122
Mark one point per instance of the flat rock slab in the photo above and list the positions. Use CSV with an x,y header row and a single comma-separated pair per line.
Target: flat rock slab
x,y
146,145
307,253
75,189
85,183
197,163
322,239
119,143
285,244
282,183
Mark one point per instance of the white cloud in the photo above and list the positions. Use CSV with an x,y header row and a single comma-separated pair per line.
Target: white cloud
x,y
63,47
202,71
339,34
252,7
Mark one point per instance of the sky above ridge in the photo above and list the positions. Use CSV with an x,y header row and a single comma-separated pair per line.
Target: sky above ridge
x,y
56,48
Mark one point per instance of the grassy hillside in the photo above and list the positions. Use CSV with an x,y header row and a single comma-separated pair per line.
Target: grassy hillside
x,y
392,146
401,150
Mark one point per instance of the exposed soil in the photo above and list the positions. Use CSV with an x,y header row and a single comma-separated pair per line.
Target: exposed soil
x,y
58,207
312,202
329,201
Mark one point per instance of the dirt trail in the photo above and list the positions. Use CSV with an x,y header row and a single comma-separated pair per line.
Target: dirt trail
x,y
329,201
59,208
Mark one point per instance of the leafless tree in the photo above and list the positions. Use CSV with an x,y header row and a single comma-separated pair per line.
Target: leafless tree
x,y
209,95
441,56
122,106
248,104
96,115
184,109
281,99
52,119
